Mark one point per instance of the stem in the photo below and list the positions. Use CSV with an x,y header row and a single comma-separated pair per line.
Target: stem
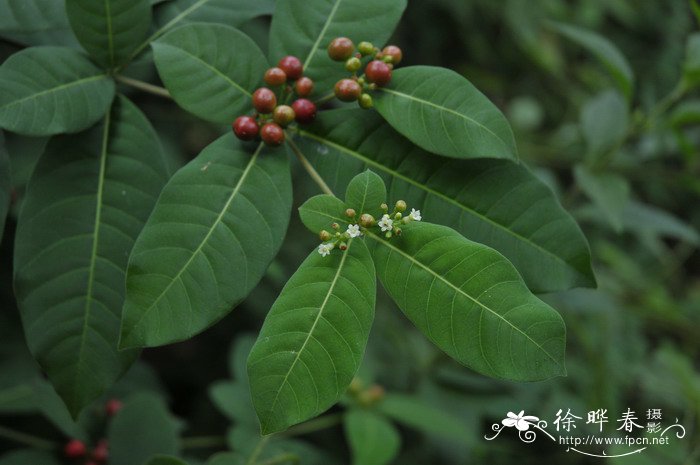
x,y
144,86
326,98
258,450
203,442
307,166
667,102
282,458
314,425
27,439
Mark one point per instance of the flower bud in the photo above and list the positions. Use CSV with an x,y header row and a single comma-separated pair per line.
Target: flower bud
x,y
388,235
398,216
384,207
335,226
350,213
324,236
367,220
397,231
401,206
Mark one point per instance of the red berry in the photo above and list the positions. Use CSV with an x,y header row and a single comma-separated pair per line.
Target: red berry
x,y
394,52
304,86
246,128
113,406
283,115
304,110
272,134
347,90
340,49
291,66
378,72
264,100
101,451
74,449
275,77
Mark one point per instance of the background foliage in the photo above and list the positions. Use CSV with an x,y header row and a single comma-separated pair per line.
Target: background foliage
x,y
616,139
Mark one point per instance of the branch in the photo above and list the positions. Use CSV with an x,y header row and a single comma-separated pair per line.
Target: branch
x,y
144,86
308,167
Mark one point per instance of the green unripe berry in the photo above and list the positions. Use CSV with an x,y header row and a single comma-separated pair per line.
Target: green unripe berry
x,y
398,216
387,59
388,235
335,226
283,115
365,48
353,64
324,235
401,206
384,207
366,101
350,213
343,246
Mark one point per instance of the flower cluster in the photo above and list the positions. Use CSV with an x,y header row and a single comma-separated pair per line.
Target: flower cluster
x,y
377,71
389,224
270,118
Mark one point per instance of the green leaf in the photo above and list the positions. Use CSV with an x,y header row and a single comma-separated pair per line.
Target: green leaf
x,y
304,29
686,113
443,113
373,440
5,183
141,429
495,202
36,22
608,191
233,400
647,219
165,460
227,458
28,456
470,302
109,30
50,90
211,70
366,192
313,338
228,12
217,225
415,413
691,67
321,211
604,121
86,202
603,50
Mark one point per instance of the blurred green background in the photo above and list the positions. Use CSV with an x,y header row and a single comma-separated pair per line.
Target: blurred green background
x,y
630,176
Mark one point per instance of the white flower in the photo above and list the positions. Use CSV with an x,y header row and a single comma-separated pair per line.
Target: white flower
x,y
325,249
354,230
521,421
386,223
415,215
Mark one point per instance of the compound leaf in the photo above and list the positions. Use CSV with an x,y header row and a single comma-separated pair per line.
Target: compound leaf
x,y
86,202
313,338
442,112
51,90
471,303
218,223
211,70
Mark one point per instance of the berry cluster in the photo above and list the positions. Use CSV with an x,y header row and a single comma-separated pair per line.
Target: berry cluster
x,y
377,71
271,118
389,224
76,449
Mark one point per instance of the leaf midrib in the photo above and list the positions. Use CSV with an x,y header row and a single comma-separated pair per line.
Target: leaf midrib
x,y
313,326
427,189
214,225
445,109
54,89
329,20
460,291
110,38
77,379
